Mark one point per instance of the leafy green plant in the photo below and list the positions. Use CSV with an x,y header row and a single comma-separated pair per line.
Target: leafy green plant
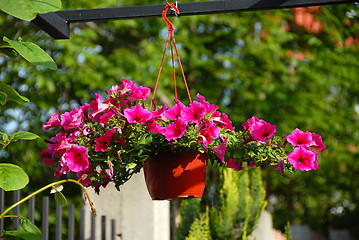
x,y
231,214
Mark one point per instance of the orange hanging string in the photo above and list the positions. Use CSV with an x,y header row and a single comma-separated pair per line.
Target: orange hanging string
x,y
173,43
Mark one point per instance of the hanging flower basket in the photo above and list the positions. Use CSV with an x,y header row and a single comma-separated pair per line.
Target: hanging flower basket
x,y
176,175
109,141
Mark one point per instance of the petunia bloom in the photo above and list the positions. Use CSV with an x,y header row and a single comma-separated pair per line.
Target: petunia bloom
x,y
72,120
97,107
248,125
54,121
317,142
175,130
103,141
231,163
195,112
137,114
222,121
175,111
298,138
220,150
76,158
303,159
210,108
262,130
140,93
209,131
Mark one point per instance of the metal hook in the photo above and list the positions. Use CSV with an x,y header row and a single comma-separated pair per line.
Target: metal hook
x,y
172,8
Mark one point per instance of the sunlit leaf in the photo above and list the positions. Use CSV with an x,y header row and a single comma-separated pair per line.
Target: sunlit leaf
x,y
12,94
29,226
23,136
22,235
27,9
12,177
32,53
60,198
3,98
9,51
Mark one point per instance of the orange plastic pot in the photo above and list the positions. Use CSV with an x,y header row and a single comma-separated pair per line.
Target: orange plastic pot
x,y
176,175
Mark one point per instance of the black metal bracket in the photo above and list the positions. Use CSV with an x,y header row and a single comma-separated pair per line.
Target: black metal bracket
x,y
57,24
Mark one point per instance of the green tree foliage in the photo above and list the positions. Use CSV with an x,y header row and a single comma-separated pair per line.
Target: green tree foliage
x,y
248,63
200,228
231,211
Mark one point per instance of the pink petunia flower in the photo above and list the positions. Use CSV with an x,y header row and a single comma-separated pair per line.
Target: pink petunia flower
x,y
47,156
103,142
54,121
298,138
140,93
105,117
72,120
220,150
248,125
222,121
83,178
97,107
210,108
262,130
175,111
175,130
231,163
155,128
62,168
159,115
194,112
303,159
317,142
209,131
137,114
76,158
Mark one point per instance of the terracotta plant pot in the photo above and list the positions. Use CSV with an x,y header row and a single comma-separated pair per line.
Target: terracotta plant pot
x,y
176,175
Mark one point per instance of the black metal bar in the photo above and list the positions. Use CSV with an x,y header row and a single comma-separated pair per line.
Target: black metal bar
x,y
32,209
71,222
103,227
45,218
82,224
2,208
93,227
55,27
16,211
113,229
58,232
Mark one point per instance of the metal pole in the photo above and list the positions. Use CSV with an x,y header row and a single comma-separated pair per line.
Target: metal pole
x,y
56,24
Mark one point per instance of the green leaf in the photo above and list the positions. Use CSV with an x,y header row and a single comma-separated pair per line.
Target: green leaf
x,y
32,53
12,94
27,9
9,51
12,177
23,136
29,226
60,198
3,98
23,235
131,165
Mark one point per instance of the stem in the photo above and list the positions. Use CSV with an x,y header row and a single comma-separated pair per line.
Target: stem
x,y
46,187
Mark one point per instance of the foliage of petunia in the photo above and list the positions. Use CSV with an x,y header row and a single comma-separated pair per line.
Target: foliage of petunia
x,y
109,140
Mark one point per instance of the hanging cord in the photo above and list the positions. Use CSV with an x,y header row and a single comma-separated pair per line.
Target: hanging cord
x,y
173,44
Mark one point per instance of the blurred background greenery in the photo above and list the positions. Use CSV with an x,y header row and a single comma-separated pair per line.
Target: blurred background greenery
x,y
269,64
